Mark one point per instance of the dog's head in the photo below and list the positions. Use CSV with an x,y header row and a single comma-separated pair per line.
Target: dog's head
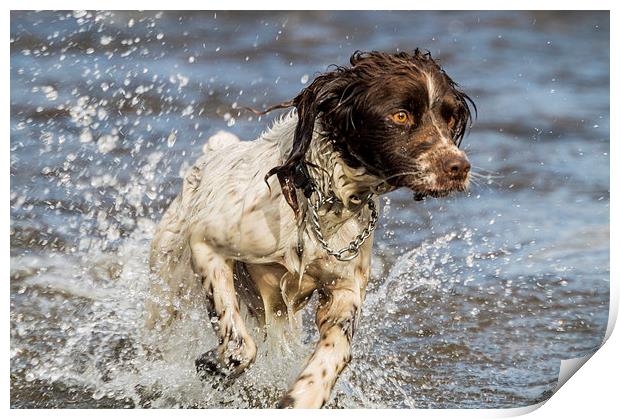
x,y
400,116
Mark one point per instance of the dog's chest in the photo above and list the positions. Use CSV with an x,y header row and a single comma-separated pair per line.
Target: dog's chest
x,y
269,233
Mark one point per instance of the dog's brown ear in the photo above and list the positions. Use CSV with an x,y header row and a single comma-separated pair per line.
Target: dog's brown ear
x,y
307,106
464,114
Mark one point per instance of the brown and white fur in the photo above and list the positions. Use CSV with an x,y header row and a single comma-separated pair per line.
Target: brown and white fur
x,y
233,220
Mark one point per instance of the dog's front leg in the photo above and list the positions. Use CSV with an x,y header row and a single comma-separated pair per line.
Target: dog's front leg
x,y
339,305
236,349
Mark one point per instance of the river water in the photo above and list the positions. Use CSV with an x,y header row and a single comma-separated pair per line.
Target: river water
x,y
474,300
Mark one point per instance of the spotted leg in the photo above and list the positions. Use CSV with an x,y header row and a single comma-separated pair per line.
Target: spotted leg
x,y
339,306
236,350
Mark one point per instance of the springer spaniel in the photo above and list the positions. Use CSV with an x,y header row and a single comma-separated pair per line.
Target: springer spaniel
x,y
387,121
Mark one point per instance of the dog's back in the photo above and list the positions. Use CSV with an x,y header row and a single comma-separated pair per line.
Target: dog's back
x,y
223,193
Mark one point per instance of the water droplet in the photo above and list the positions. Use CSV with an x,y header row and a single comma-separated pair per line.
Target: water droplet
x,y
86,136
50,93
187,111
107,143
171,139
46,137
98,394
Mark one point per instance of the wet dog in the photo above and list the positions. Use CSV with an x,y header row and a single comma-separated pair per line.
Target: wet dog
x,y
292,213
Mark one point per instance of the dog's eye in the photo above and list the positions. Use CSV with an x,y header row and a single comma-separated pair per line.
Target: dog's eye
x,y
401,117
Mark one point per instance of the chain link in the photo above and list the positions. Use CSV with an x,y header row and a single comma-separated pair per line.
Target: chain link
x,y
352,250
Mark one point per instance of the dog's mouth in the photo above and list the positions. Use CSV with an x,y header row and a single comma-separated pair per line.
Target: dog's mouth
x,y
438,189
431,185
432,193
420,196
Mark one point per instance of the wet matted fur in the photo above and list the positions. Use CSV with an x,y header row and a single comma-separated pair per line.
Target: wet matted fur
x,y
388,120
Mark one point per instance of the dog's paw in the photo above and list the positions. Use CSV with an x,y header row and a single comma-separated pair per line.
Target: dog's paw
x,y
286,402
221,369
213,370
210,368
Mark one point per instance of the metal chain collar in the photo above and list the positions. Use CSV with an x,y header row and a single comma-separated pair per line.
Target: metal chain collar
x,y
352,250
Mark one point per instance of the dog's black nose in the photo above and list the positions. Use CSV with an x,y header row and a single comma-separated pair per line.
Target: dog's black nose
x,y
456,166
